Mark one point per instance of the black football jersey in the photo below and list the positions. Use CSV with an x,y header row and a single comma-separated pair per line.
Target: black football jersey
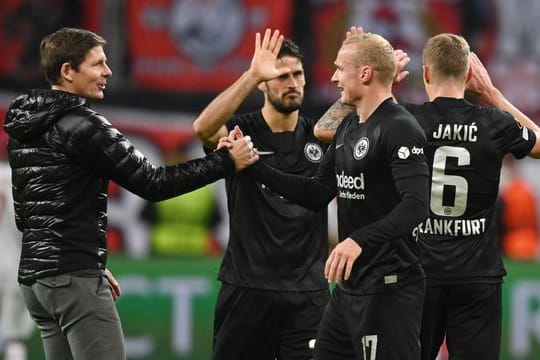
x,y
370,159
377,171
275,244
466,145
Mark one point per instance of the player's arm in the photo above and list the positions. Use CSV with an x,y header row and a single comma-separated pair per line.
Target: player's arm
x,y
326,126
409,212
313,193
404,217
210,124
481,84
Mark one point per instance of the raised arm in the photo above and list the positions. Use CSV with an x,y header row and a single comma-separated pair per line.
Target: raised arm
x,y
481,84
210,124
326,126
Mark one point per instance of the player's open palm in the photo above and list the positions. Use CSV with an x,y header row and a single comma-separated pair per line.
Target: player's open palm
x,y
264,62
341,260
479,81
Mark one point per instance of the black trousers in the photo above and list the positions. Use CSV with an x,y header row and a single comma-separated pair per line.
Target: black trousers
x,y
266,325
469,315
380,326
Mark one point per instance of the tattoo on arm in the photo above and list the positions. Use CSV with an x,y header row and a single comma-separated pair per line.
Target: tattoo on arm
x,y
333,116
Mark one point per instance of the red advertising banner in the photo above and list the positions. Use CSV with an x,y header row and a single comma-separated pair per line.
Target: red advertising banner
x,y
197,45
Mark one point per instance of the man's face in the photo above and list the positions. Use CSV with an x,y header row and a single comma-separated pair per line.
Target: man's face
x,y
286,92
347,75
91,78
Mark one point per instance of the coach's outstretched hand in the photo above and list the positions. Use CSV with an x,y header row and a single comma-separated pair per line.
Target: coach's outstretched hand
x,y
240,147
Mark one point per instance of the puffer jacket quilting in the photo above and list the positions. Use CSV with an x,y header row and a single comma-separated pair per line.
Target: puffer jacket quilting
x,y
62,155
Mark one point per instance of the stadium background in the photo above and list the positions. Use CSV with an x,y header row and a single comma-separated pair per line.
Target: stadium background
x,y
171,57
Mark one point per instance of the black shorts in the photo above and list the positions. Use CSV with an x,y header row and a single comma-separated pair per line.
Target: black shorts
x,y
381,326
469,314
266,325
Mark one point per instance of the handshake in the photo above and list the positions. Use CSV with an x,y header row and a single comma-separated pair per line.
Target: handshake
x,y
240,148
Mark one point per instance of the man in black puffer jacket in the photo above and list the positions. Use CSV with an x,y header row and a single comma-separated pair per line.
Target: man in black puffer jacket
x,y
62,155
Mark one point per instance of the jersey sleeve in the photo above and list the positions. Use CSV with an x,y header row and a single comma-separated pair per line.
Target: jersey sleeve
x,y
517,139
313,193
404,146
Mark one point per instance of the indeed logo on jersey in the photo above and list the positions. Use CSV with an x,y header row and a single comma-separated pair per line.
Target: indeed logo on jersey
x,y
404,152
351,187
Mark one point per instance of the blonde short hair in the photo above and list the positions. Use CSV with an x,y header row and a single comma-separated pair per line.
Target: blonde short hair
x,y
447,55
375,51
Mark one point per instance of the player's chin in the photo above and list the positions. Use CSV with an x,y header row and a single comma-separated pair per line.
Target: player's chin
x,y
293,103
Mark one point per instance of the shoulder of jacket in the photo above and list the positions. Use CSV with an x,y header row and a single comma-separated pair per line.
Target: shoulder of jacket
x,y
82,119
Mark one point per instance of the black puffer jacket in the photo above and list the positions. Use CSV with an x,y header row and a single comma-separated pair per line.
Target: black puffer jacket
x,y
62,156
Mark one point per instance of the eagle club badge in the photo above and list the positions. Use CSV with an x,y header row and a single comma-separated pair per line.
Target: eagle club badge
x,y
361,148
313,152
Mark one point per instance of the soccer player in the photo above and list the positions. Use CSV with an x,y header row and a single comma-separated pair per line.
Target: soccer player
x,y
377,169
460,250
273,291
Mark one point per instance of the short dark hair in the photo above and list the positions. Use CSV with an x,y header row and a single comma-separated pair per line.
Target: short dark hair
x,y
289,48
66,45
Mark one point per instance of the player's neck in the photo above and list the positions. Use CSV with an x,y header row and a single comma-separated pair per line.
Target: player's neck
x,y
279,122
371,101
448,90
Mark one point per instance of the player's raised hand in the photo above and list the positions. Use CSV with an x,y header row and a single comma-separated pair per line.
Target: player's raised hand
x,y
354,30
264,62
479,81
341,260
402,59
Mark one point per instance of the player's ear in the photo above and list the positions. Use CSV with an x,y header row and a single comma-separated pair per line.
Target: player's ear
x,y
366,73
426,74
469,75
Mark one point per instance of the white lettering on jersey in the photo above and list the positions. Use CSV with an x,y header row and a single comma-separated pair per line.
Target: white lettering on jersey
x,y
417,151
456,132
369,346
451,227
350,182
351,187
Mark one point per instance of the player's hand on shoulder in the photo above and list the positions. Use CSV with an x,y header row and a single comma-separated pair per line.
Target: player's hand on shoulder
x,y
341,260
